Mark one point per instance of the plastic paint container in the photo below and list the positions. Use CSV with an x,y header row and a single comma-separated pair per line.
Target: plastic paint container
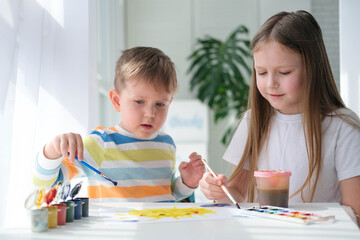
x,y
78,208
85,206
39,220
273,187
53,215
61,220
70,209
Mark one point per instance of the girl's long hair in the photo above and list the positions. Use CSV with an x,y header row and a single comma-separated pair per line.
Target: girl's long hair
x,y
299,32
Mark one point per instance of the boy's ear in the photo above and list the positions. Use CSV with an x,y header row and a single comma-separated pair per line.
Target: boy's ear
x,y
115,99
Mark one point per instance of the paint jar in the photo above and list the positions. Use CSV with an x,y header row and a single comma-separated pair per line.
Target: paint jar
x,y
85,206
78,208
53,215
61,220
70,208
39,220
272,187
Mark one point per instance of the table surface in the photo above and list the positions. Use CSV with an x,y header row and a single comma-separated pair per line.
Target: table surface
x,y
94,227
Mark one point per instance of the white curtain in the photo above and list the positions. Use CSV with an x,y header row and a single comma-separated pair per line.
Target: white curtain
x,y
48,83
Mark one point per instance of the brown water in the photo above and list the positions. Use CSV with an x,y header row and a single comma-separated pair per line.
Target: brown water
x,y
277,197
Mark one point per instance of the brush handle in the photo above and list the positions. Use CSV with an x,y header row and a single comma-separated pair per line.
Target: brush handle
x,y
222,185
228,194
96,171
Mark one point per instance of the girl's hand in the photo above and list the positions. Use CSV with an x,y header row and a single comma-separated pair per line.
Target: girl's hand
x,y
191,172
211,186
67,145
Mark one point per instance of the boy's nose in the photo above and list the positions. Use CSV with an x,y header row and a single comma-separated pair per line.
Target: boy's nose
x,y
150,111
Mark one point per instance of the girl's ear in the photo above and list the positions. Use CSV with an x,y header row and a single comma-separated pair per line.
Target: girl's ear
x,y
115,99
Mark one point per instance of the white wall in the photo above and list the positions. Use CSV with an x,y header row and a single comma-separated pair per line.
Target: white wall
x,y
349,53
166,25
267,8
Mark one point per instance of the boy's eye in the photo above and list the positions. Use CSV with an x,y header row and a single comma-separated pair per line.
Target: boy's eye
x,y
160,104
139,101
261,73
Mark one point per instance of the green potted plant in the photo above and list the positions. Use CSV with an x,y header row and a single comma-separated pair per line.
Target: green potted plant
x,y
220,74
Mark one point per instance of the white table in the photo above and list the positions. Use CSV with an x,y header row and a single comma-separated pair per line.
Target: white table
x,y
237,228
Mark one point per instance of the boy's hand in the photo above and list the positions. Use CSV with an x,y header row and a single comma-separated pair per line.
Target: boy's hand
x,y
67,145
191,172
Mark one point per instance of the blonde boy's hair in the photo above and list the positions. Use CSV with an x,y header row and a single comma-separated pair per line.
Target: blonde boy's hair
x,y
146,64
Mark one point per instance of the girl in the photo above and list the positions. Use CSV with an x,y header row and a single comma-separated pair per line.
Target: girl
x,y
296,120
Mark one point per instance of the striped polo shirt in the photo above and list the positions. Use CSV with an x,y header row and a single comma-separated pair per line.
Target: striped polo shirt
x,y
143,168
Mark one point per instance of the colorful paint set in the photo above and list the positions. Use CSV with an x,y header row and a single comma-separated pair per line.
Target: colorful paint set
x,y
289,215
56,213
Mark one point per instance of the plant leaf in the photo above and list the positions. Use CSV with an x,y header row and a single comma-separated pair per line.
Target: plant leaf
x,y
220,72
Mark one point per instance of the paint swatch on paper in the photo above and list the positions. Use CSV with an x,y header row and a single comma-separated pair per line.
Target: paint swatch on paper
x,y
175,213
182,212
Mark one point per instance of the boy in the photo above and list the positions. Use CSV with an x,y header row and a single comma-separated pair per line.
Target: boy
x,y
134,153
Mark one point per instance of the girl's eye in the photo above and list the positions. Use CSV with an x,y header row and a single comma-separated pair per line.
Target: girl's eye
x,y
261,73
139,101
284,73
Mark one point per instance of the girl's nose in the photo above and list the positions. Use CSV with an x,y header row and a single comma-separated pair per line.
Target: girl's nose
x,y
272,81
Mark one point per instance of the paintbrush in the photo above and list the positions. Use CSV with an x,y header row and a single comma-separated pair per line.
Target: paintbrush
x,y
96,171
222,185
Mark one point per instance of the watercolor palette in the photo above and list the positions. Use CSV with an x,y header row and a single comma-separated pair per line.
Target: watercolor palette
x,y
289,215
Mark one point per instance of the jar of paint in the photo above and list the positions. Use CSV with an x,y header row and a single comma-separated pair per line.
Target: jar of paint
x,y
39,220
78,208
61,215
85,206
53,216
70,208
273,187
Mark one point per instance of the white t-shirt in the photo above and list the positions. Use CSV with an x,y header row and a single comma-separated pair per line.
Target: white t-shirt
x,y
286,150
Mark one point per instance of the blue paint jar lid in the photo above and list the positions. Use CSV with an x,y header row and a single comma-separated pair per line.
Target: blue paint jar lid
x,y
75,190
65,190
